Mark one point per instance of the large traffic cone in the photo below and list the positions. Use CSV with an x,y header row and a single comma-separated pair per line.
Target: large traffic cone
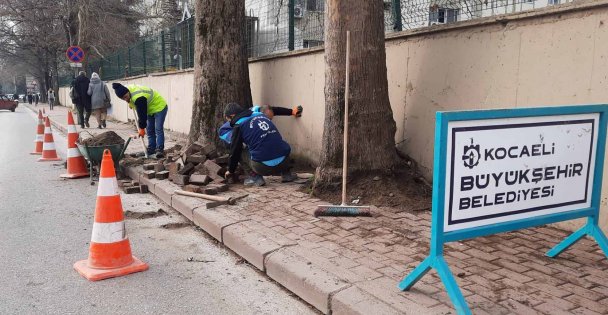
x,y
39,135
48,147
77,166
110,251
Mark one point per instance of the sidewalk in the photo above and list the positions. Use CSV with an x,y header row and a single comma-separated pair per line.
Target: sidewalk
x,y
353,265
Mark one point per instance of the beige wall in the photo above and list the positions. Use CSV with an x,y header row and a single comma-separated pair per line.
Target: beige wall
x,y
555,56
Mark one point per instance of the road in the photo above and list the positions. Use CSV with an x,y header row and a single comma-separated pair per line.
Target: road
x,y
46,225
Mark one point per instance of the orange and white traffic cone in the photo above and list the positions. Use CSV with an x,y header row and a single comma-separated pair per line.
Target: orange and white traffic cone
x,y
48,146
77,166
110,250
39,135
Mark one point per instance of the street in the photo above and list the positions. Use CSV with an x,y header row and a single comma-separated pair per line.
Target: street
x,y
46,227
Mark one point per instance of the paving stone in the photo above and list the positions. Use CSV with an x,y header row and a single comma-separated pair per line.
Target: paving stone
x,y
159,167
407,302
149,174
149,166
181,179
196,159
131,190
192,188
144,189
162,175
355,301
311,283
188,168
199,179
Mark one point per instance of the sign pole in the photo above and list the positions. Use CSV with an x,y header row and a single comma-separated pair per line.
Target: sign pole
x,y
591,228
435,259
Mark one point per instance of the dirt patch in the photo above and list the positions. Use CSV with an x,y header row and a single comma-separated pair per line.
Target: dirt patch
x,y
106,138
144,215
173,226
128,161
403,190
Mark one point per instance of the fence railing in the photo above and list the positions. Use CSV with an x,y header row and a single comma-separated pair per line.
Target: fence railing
x,y
274,26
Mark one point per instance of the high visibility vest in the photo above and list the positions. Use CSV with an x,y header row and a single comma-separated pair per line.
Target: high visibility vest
x,y
155,102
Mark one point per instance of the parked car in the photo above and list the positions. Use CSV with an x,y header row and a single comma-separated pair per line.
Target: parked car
x,y
7,103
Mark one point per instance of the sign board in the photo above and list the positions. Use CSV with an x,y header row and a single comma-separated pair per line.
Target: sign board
x,y
75,54
76,65
500,170
503,170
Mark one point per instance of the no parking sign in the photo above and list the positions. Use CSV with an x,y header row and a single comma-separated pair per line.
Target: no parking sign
x,y
75,54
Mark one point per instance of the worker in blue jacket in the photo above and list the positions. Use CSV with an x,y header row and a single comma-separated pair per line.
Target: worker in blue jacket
x,y
225,131
265,152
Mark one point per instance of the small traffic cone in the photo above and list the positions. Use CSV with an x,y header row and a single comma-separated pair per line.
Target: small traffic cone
x,y
110,250
77,166
39,135
48,147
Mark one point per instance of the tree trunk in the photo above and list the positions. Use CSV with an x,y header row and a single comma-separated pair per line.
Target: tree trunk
x,y
371,124
221,73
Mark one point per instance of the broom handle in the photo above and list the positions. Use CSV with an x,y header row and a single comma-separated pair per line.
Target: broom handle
x,y
143,142
345,149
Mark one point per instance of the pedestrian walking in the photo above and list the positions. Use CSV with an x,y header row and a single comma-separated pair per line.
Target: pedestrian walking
x,y
100,99
82,99
51,97
36,98
30,98
151,110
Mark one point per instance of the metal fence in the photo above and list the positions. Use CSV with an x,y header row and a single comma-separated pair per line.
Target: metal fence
x,y
274,26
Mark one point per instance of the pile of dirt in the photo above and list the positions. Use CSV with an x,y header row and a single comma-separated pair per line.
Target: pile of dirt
x,y
403,190
106,138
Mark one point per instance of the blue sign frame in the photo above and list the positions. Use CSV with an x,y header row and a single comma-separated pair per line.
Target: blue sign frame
x,y
439,237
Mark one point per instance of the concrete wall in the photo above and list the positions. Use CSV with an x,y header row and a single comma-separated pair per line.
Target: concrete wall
x,y
549,57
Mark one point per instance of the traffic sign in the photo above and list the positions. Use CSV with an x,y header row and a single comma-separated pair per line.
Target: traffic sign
x,y
76,65
75,54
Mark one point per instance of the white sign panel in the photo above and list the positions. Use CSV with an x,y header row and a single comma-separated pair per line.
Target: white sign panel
x,y
501,170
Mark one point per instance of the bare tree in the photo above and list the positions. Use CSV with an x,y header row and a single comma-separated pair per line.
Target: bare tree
x,y
221,73
372,127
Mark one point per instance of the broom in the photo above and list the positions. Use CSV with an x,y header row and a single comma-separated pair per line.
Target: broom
x,y
344,209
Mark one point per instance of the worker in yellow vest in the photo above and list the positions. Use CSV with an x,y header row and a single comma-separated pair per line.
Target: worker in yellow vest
x,y
151,110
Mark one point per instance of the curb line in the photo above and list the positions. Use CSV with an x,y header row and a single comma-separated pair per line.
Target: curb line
x,y
280,258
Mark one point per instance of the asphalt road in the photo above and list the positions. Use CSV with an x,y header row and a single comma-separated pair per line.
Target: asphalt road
x,y
46,226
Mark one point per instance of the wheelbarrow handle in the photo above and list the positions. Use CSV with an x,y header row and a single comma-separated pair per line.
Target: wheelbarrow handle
x,y
124,148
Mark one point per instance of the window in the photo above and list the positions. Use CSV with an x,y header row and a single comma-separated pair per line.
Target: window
x,y
554,2
315,5
443,15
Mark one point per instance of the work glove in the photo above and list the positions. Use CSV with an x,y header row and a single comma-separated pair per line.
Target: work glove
x,y
297,111
141,133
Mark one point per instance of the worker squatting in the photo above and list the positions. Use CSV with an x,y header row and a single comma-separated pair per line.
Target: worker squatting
x,y
518,177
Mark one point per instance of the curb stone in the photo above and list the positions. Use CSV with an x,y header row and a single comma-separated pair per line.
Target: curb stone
x,y
306,276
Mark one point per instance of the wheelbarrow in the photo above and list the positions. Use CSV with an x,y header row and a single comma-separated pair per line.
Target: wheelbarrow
x,y
94,155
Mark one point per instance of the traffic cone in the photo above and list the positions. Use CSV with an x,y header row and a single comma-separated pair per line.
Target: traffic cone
x,y
48,147
110,251
77,166
39,135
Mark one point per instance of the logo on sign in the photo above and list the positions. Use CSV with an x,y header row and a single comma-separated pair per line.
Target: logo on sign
x,y
471,155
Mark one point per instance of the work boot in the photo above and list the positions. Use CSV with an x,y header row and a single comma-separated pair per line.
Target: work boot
x,y
255,180
287,177
160,155
103,123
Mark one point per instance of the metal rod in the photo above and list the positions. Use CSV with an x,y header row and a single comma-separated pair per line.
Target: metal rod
x,y
345,149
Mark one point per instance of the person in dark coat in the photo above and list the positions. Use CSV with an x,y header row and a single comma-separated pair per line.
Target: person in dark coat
x,y
30,98
83,101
